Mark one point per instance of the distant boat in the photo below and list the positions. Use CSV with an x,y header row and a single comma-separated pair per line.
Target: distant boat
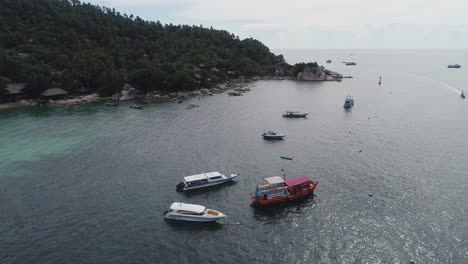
x,y
111,103
279,190
286,157
462,95
203,180
271,135
329,61
294,114
193,213
454,66
380,80
349,102
136,107
350,63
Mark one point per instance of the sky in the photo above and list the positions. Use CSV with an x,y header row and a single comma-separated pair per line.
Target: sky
x,y
318,24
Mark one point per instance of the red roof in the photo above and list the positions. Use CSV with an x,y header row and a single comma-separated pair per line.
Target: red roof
x,y
296,181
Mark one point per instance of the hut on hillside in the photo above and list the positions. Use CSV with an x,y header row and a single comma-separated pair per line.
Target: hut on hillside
x,y
54,94
13,92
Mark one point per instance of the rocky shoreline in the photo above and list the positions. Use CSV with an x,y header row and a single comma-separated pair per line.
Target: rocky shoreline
x,y
234,87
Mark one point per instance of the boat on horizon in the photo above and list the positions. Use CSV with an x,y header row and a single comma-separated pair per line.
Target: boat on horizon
x,y
454,66
350,63
328,61
279,190
462,95
349,102
272,135
192,212
294,114
203,180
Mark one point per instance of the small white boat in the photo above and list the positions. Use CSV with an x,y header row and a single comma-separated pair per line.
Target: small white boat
x,y
204,180
192,212
294,114
272,135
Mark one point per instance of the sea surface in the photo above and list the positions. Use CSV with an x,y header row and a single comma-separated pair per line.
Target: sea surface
x,y
90,184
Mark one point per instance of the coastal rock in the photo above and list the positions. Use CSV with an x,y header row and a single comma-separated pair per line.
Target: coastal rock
x,y
128,93
312,74
164,98
196,93
204,91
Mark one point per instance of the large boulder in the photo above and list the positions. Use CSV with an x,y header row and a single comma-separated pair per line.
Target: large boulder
x,y
312,74
128,93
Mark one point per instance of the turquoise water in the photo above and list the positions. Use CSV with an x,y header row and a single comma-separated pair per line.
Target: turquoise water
x,y
89,184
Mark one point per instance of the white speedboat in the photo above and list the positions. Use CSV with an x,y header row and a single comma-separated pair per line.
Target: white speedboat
x,y
192,212
294,114
204,180
272,135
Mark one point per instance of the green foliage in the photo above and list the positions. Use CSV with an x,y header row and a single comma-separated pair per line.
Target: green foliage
x,y
72,44
299,67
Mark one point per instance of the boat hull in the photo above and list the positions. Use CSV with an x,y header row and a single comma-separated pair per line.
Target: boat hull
x,y
296,115
292,197
179,217
198,186
271,137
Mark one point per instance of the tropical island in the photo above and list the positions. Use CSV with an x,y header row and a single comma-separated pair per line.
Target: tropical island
x,y
50,49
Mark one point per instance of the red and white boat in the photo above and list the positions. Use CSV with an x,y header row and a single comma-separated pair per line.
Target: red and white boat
x,y
278,190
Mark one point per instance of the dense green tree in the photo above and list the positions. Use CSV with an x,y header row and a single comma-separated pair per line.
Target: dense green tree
x,y
299,67
72,44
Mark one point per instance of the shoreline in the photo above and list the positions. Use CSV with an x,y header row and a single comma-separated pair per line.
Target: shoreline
x,y
233,87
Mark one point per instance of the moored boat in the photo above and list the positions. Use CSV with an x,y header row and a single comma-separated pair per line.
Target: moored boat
x,y
454,66
204,180
136,107
279,190
294,114
192,212
111,103
272,135
349,102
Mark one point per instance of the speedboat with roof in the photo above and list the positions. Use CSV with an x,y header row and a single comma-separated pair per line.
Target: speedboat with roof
x,y
454,66
349,102
272,135
192,212
204,180
279,190
294,114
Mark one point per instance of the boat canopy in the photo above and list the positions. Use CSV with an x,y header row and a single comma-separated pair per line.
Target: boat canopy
x,y
202,176
274,180
296,181
188,207
213,174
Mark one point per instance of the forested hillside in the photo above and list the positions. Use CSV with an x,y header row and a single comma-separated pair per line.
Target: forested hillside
x,y
73,45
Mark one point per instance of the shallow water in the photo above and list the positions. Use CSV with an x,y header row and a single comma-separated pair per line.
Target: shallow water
x,y
89,184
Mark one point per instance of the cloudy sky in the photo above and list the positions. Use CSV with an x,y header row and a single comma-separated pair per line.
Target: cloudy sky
x,y
318,23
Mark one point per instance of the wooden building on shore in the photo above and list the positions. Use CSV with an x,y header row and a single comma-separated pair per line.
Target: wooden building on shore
x,y
54,94
13,92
